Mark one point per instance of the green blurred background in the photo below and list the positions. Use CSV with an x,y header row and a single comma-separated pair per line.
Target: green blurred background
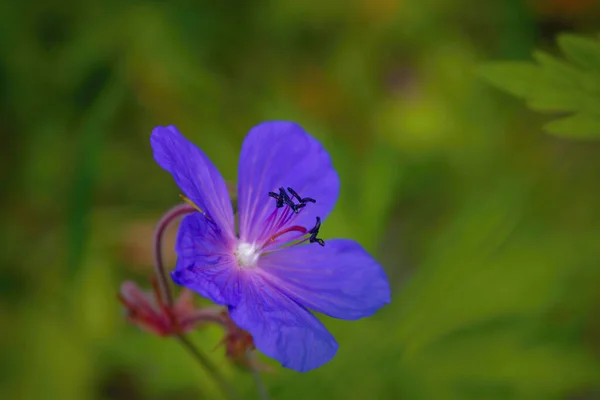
x,y
489,229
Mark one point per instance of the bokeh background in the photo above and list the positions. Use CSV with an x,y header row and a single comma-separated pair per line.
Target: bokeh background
x,y
488,228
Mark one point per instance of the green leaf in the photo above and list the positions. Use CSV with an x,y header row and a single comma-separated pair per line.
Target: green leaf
x,y
578,126
581,51
101,113
550,84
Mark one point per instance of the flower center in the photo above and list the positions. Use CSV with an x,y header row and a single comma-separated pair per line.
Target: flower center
x,y
247,254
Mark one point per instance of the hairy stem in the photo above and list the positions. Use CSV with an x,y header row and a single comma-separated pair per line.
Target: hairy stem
x,y
166,294
161,227
206,314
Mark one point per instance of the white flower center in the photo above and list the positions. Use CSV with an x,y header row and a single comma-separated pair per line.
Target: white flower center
x,y
247,254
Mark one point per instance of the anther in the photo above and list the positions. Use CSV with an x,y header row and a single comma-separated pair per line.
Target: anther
x,y
287,200
278,198
314,232
302,200
283,198
318,240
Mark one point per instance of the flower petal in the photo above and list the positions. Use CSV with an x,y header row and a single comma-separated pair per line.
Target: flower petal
x,y
282,154
195,175
341,279
204,264
281,328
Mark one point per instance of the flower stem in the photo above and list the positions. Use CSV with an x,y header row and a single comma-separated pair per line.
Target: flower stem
x,y
263,394
206,314
207,365
165,291
161,227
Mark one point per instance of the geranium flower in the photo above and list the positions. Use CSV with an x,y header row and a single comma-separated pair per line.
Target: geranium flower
x,y
274,268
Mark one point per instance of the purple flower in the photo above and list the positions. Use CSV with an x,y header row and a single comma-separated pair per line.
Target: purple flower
x,y
274,267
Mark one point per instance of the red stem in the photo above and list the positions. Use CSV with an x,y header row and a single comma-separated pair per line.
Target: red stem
x,y
161,227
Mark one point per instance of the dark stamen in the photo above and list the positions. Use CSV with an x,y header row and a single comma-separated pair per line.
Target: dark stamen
x,y
302,200
283,198
278,198
316,239
315,229
287,200
314,232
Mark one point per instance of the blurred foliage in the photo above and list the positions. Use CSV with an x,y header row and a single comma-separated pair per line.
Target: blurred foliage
x,y
488,229
556,85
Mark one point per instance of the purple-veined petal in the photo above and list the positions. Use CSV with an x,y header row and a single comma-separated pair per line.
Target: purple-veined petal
x,y
282,154
195,175
281,328
204,262
340,279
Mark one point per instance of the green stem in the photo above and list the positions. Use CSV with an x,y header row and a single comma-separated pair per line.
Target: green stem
x,y
263,394
207,365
